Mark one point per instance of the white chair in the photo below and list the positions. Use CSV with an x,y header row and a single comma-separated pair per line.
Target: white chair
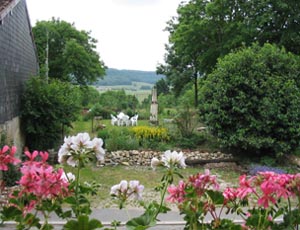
x,y
134,120
123,119
114,120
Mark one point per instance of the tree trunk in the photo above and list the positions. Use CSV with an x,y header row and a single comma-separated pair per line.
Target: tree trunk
x,y
196,88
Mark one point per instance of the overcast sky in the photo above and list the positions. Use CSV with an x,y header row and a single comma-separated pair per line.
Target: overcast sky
x,y
129,32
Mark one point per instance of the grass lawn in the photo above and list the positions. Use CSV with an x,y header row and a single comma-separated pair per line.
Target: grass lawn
x,y
108,176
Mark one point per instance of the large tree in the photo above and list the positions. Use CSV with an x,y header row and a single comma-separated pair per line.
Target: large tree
x,y
66,53
206,30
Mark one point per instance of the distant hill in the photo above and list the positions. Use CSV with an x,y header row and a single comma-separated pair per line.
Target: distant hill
x,y
126,77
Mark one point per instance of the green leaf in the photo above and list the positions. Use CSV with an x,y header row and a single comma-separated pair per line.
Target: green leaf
x,y
83,223
216,196
10,213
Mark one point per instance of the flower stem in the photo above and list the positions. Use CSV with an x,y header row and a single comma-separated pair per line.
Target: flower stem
x,y
163,193
76,191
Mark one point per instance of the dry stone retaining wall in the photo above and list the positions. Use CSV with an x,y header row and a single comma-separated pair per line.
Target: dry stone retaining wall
x,y
143,158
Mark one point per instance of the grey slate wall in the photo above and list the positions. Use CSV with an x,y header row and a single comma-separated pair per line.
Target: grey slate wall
x,y
18,60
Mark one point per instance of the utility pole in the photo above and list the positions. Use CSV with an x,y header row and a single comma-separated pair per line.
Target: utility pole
x,y
47,56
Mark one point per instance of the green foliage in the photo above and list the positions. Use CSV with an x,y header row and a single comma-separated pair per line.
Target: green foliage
x,y
11,176
191,142
72,55
250,102
112,102
46,110
120,139
89,96
187,117
162,87
205,30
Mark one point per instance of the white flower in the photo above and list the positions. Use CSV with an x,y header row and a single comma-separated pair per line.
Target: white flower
x,y
135,189
68,177
114,190
123,186
82,140
71,161
173,159
118,189
97,144
154,162
64,150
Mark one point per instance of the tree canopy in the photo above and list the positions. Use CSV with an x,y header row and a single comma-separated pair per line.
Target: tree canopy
x,y
70,53
206,30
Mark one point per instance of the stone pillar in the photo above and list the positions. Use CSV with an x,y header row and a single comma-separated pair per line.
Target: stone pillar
x,y
154,107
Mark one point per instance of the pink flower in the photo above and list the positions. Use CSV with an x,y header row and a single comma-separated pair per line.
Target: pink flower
x,y
265,200
177,193
40,178
201,182
230,194
245,187
7,157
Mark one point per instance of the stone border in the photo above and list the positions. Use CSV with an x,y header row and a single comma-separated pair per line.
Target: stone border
x,y
143,157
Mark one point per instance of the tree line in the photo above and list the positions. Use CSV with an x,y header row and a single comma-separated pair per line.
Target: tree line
x,y
241,58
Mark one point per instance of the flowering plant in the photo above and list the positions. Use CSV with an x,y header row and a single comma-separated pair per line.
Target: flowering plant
x,y
170,162
41,189
258,201
44,189
7,156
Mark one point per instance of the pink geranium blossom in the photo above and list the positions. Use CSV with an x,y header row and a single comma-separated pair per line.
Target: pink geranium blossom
x,y
176,193
41,179
7,156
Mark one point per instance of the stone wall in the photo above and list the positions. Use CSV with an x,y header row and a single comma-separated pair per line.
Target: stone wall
x,y
143,158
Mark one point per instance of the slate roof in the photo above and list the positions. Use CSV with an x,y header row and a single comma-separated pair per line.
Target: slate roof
x,y
6,6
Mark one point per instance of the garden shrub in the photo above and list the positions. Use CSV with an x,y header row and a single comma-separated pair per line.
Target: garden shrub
x,y
192,142
121,142
120,139
11,176
47,109
104,134
150,133
250,102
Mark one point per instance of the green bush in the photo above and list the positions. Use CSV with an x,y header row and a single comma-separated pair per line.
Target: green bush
x,y
250,102
104,134
46,110
11,176
121,143
191,142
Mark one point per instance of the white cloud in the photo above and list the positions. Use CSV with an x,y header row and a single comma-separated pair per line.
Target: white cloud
x,y
129,32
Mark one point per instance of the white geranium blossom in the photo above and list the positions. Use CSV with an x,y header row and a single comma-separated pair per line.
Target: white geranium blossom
x,y
76,148
125,190
118,189
173,159
82,140
97,144
68,177
135,189
155,162
72,162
